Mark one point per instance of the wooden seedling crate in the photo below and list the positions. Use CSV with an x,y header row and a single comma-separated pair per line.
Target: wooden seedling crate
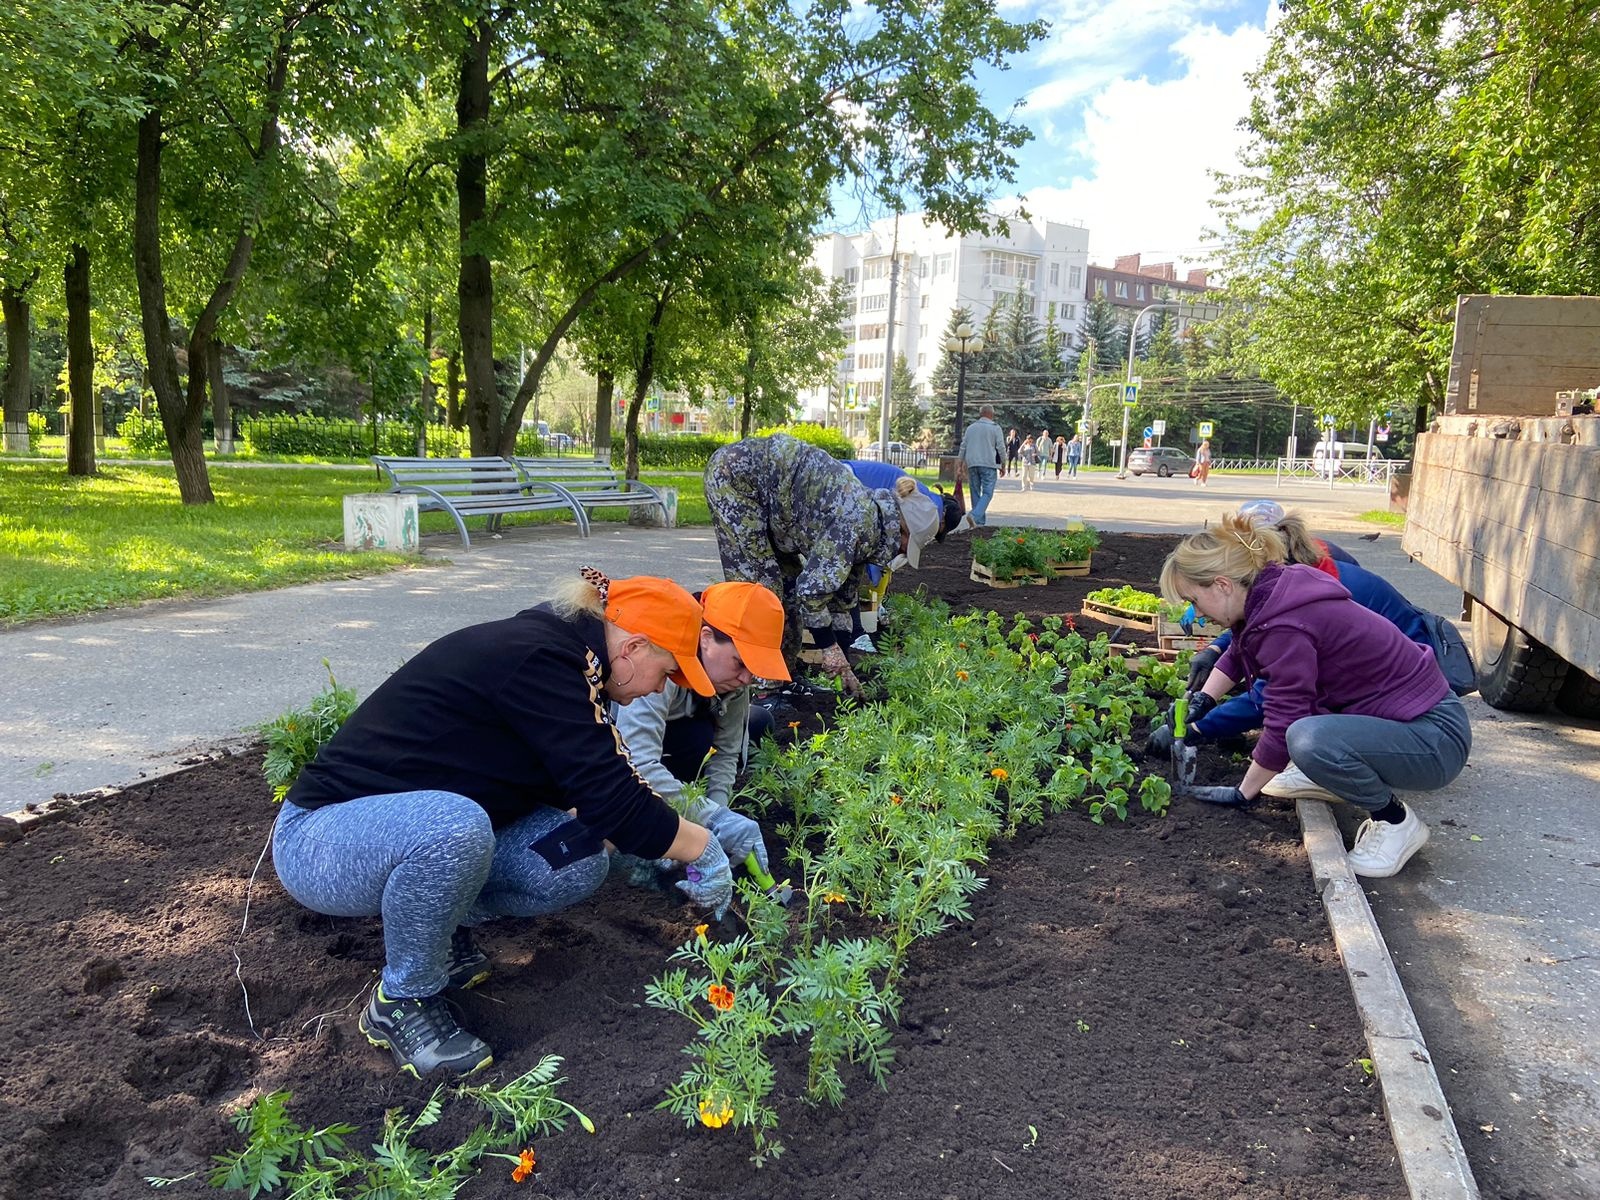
x,y
982,574
1076,566
1116,615
1182,641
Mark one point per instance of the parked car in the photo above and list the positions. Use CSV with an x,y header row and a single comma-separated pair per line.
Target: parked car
x,y
1163,460
559,441
900,454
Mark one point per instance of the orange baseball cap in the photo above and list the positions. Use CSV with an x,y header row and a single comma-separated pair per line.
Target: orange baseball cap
x,y
669,616
753,617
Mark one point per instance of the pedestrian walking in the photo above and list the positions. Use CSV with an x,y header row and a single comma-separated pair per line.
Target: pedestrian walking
x,y
1058,454
1074,455
1029,454
1013,450
980,459
1202,462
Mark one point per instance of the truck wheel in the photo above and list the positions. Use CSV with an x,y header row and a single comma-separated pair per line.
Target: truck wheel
x,y
1579,695
1515,672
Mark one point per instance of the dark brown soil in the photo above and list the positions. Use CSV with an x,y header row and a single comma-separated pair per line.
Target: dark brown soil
x,y
1159,1001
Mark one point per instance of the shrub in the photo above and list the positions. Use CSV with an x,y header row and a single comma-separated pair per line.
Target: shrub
x,y
143,435
37,428
293,738
320,437
820,436
675,452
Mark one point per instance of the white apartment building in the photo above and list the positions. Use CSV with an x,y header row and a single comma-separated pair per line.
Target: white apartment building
x,y
939,272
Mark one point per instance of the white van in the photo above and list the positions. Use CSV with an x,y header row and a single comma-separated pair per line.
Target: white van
x,y
1342,450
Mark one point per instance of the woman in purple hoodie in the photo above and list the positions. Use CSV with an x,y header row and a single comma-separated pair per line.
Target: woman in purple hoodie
x,y
1358,707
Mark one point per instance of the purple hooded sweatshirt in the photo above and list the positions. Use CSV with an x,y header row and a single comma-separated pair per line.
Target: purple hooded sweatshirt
x,y
1321,652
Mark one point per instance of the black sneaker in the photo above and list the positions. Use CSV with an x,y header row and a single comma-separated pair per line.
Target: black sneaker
x,y
422,1035
468,966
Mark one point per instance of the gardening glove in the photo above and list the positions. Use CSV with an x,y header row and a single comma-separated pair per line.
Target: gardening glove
x,y
835,663
1200,668
710,880
1229,796
737,835
1199,705
1159,744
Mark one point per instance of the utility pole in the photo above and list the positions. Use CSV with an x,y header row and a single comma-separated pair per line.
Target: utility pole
x,y
1088,391
888,356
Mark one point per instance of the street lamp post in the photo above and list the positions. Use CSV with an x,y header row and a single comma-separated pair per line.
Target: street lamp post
x,y
1133,340
962,342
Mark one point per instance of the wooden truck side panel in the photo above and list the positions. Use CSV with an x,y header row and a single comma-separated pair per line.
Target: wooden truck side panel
x,y
1512,354
1516,523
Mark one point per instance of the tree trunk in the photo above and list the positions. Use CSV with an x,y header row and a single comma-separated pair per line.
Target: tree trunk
x,y
746,409
475,284
221,411
605,393
19,367
80,365
183,437
641,384
452,393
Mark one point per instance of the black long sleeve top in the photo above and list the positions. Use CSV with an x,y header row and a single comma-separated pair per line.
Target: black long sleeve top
x,y
510,714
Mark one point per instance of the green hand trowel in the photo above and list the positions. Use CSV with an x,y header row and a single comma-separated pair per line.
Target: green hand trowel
x,y
1183,754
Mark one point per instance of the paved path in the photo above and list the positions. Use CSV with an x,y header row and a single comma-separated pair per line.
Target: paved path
x,y
1497,940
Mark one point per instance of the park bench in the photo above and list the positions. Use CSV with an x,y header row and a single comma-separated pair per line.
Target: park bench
x,y
591,483
476,487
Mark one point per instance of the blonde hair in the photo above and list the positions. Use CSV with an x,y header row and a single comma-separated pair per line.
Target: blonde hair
x,y
1300,546
1233,550
578,597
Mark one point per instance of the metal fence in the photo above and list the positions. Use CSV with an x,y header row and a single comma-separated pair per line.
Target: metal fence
x,y
1363,472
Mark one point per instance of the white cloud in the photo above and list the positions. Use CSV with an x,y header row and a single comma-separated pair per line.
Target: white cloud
x,y
1152,147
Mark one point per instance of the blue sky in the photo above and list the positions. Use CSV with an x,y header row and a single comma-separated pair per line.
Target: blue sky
x,y
1131,104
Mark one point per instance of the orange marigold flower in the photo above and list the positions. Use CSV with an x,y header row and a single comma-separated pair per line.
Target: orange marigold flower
x,y
721,998
894,800
1001,773
1021,540
963,645
794,724
715,1118
700,930
962,675
525,1167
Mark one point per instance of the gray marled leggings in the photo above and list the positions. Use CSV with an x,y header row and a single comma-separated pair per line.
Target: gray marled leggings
x,y
426,862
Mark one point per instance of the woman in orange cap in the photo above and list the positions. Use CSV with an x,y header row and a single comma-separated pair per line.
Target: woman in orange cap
x,y
481,781
677,736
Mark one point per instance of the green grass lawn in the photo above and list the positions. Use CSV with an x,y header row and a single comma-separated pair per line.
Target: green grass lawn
x,y
72,545
1381,516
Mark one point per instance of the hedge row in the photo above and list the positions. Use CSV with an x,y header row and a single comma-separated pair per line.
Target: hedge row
x,y
320,437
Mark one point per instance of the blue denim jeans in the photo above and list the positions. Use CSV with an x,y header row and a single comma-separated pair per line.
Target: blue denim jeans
x,y
426,862
982,482
1365,760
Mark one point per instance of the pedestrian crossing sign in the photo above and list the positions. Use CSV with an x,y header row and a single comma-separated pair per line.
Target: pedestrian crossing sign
x,y
1130,394
1205,429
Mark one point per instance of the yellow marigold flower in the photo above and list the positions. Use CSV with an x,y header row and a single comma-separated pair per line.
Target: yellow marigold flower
x,y
1001,773
961,675
715,1118
700,930
832,898
894,800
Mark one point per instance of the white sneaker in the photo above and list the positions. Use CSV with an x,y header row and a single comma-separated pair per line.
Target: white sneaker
x,y
1381,849
1292,783
864,644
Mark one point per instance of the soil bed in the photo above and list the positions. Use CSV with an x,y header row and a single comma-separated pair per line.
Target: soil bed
x,y
1158,1000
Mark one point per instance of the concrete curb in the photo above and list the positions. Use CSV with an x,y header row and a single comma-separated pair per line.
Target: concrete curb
x,y
1425,1139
